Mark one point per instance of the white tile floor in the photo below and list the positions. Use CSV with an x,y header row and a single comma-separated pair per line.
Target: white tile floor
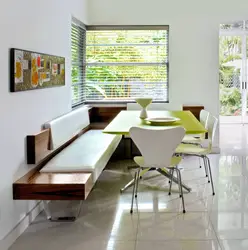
x,y
210,223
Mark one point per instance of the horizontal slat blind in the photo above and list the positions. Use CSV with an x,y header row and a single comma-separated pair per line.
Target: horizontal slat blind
x,y
124,64
78,63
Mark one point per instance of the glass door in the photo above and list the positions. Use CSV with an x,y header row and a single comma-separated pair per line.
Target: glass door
x,y
230,78
244,80
233,73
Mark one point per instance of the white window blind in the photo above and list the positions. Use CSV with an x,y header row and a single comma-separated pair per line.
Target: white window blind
x,y
124,63
78,52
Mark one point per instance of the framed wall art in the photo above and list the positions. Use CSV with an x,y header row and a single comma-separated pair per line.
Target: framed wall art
x,y
32,70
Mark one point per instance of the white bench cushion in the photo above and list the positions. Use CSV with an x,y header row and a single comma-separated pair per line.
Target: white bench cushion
x,y
66,126
89,153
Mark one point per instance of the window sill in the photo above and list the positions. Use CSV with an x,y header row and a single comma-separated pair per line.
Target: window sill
x,y
109,104
115,104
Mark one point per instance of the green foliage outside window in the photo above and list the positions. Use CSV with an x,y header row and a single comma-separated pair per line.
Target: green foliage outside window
x,y
120,76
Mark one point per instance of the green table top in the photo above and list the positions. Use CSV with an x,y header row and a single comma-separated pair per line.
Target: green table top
x,y
127,119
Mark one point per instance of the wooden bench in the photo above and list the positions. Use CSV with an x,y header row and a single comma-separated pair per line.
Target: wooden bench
x,y
69,158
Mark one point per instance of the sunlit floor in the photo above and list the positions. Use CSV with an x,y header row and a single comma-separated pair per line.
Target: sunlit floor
x,y
234,139
210,223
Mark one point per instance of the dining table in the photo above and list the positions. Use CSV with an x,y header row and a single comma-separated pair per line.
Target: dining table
x,y
126,119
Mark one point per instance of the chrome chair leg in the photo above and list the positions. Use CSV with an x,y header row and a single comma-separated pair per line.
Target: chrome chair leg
x,y
171,173
210,173
206,168
180,181
135,179
179,186
137,183
200,159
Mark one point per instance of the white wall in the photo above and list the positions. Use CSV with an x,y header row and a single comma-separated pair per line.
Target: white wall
x,y
194,27
42,26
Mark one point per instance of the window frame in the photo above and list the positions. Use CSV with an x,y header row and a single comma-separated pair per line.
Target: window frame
x,y
125,27
82,63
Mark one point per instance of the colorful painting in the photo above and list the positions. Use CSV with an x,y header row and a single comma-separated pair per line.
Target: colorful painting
x,y
32,70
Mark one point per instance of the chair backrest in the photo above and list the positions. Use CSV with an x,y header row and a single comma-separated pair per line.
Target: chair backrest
x,y
204,117
157,146
211,127
155,106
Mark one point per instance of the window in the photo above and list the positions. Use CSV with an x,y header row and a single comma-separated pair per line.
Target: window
x,y
78,39
123,63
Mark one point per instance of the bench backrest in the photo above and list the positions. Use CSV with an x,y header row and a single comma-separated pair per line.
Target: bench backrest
x,y
67,126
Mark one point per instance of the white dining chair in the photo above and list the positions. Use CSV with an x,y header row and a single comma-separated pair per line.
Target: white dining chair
x,y
195,150
153,106
198,139
157,148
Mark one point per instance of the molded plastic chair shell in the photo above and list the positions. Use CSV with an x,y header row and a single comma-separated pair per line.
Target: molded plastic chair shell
x,y
157,146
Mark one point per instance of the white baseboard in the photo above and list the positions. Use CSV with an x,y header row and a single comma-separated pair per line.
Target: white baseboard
x,y
11,237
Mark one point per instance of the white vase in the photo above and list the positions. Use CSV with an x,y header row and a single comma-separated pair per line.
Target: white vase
x,y
143,113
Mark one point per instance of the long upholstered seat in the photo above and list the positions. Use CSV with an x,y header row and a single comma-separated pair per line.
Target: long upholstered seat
x,y
89,153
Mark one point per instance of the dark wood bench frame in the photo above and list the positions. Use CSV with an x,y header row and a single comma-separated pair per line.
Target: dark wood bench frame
x,y
50,186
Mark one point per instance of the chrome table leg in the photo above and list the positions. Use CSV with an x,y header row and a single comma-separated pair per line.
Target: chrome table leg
x,y
129,184
163,172
174,179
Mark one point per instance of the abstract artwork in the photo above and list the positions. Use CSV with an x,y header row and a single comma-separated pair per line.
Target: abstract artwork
x,y
31,70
